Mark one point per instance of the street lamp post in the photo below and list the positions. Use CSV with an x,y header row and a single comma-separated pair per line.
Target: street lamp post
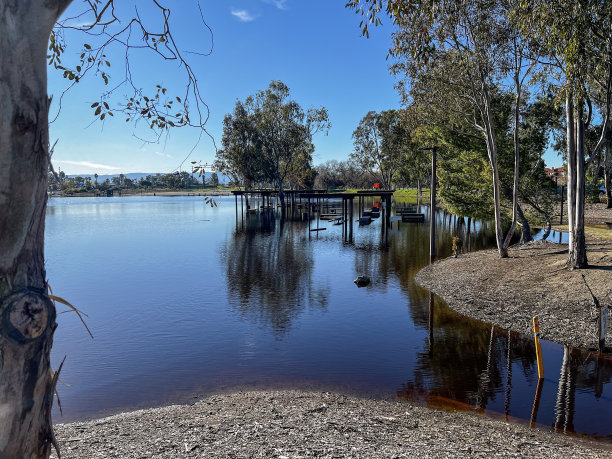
x,y
432,206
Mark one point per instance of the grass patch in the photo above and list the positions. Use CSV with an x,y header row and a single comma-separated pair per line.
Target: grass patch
x,y
598,232
410,193
590,231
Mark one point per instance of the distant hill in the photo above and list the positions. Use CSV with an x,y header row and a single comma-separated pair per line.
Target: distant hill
x,y
223,179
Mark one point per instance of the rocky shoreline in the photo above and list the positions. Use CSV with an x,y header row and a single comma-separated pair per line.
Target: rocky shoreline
x,y
532,282
296,424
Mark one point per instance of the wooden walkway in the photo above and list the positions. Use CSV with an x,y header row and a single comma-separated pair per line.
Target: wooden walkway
x,y
323,203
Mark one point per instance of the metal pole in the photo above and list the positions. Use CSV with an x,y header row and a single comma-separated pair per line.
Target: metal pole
x,y
561,218
432,212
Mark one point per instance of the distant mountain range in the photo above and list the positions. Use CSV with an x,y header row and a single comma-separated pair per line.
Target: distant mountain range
x,y
223,179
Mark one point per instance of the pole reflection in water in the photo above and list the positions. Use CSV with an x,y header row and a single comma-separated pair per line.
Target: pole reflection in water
x,y
431,324
566,395
487,369
508,378
536,403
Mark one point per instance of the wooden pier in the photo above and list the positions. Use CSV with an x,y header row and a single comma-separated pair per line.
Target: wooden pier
x,y
320,204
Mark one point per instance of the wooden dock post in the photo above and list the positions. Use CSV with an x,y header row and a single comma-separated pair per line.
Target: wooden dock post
x,y
351,219
308,216
431,323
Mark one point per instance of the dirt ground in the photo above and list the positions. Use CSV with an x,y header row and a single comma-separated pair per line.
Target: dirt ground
x,y
295,424
533,281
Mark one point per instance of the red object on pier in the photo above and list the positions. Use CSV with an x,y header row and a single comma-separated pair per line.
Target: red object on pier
x,y
377,185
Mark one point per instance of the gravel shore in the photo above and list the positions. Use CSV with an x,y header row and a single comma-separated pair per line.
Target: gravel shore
x,y
533,281
295,424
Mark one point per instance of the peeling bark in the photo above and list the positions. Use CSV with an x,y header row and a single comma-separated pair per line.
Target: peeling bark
x,y
515,184
27,315
579,249
526,235
492,152
607,173
571,177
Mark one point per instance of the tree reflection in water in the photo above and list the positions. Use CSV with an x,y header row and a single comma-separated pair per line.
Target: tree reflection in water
x,y
472,364
462,364
269,272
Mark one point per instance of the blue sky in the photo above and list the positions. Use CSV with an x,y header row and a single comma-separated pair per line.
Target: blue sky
x,y
313,46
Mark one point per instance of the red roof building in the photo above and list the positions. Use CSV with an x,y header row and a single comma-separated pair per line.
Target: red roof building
x,y
555,172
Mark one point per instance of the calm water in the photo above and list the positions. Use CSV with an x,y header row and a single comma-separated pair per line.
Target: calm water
x,y
185,300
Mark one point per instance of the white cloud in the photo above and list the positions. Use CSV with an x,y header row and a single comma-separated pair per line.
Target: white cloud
x,y
243,15
280,4
165,155
88,164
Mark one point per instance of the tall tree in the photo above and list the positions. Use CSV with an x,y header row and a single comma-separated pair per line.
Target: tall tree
x,y
285,131
577,40
380,143
454,57
241,156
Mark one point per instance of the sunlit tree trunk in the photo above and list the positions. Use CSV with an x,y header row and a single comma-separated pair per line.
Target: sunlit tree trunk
x,y
571,177
492,152
515,185
580,255
27,315
607,174
281,195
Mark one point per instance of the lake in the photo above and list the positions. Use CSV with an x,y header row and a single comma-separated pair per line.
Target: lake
x,y
185,300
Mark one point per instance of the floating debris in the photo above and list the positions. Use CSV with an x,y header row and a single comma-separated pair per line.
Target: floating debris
x,y
362,281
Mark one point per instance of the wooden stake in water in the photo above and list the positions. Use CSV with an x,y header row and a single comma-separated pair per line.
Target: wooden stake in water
x,y
536,403
536,336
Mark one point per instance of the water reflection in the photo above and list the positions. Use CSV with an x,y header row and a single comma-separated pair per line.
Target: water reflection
x,y
473,365
269,272
279,308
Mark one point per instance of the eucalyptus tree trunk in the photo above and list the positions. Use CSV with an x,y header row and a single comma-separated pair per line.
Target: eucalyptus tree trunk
x,y
580,255
281,196
571,177
492,152
516,164
27,315
526,235
607,173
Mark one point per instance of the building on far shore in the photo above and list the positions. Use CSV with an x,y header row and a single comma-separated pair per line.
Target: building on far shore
x,y
555,172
